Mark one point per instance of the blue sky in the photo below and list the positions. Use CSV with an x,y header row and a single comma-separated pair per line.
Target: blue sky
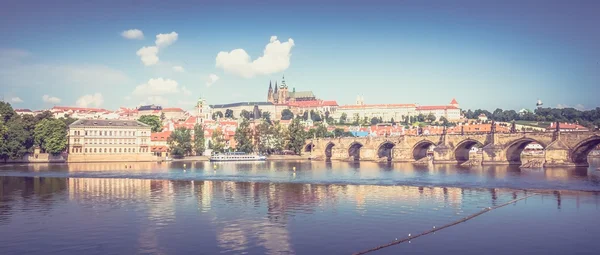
x,y
486,55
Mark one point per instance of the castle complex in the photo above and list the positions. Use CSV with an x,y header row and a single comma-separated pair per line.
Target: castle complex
x,y
281,95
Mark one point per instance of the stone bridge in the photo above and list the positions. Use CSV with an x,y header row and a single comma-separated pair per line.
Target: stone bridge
x,y
560,148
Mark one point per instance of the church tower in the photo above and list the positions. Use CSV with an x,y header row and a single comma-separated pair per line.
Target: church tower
x,y
202,111
275,94
270,94
283,92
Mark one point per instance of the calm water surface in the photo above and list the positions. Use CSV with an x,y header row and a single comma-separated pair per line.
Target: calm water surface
x,y
266,208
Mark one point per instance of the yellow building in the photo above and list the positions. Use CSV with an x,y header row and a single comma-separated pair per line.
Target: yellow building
x,y
109,140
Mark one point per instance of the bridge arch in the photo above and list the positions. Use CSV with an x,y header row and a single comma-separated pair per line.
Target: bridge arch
x,y
515,148
463,148
579,154
309,147
385,150
328,150
420,149
354,151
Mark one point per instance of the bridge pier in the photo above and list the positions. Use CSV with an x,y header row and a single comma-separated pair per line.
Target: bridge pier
x,y
442,154
402,153
557,154
494,155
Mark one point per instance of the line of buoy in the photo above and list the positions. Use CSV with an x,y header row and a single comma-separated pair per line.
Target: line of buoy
x,y
409,238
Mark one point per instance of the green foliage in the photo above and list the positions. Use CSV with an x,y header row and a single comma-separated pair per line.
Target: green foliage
x,y
305,115
217,115
217,141
266,116
180,142
338,132
315,116
68,120
269,138
320,131
286,114
376,120
356,119
229,114
296,136
51,136
198,145
343,118
589,118
14,140
431,117
162,116
243,137
6,112
245,114
152,121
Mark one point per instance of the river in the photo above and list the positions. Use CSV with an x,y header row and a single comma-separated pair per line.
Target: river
x,y
295,207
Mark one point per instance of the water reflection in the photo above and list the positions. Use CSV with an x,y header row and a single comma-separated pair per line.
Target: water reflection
x,y
237,217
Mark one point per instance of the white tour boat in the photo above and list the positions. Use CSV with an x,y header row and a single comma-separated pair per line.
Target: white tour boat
x,y
237,156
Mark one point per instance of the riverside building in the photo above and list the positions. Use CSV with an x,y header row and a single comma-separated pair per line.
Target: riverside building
x,y
109,140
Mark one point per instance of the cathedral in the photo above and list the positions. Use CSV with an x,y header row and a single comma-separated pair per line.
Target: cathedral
x,y
281,95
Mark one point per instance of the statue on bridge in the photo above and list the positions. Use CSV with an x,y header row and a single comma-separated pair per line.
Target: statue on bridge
x,y
513,127
493,128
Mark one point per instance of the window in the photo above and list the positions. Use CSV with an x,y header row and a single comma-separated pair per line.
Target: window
x,y
119,150
104,150
94,150
85,150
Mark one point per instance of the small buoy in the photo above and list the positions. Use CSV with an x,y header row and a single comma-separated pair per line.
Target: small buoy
x,y
408,234
215,167
294,168
489,208
434,227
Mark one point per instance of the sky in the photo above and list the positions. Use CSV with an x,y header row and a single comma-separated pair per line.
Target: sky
x,y
486,54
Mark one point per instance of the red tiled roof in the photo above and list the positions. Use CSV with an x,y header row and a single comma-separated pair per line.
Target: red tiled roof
x,y
313,103
160,136
159,148
68,108
453,101
377,106
172,110
567,126
436,107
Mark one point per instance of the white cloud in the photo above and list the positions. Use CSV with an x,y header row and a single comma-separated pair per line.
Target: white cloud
x,y
50,99
580,107
148,55
157,86
133,34
178,69
276,58
186,91
16,100
164,40
212,78
127,98
95,100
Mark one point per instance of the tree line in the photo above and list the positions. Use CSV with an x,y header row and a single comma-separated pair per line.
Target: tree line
x,y
588,118
19,135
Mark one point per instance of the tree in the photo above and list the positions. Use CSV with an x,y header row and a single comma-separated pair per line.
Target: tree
x,y
392,121
180,142
243,137
296,136
374,121
68,120
444,121
153,121
217,115
286,114
229,114
269,138
305,115
315,116
266,116
15,137
338,132
6,112
431,117
198,145
162,116
217,141
245,114
44,115
365,121
356,119
343,118
51,135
